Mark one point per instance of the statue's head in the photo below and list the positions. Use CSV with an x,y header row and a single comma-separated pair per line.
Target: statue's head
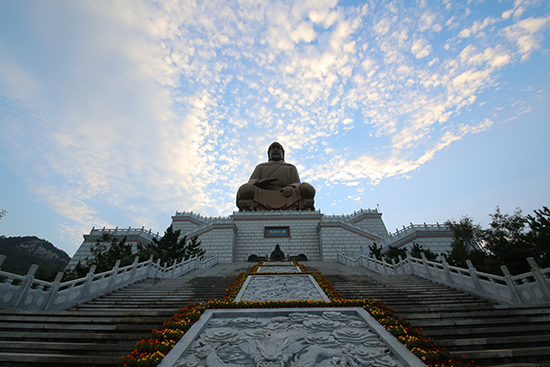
x,y
275,152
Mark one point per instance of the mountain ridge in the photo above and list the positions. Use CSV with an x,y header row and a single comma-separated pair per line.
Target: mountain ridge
x,y
23,251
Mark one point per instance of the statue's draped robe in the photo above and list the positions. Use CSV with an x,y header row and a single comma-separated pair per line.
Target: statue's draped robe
x,y
272,197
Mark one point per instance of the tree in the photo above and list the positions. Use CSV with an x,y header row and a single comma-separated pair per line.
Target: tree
x,y
539,236
375,250
509,240
3,213
466,244
193,248
106,251
167,249
505,239
393,253
107,255
417,250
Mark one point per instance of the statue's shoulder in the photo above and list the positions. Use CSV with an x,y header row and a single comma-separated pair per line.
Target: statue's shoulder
x,y
271,163
265,164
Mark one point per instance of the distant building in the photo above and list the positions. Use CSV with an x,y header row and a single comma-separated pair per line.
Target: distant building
x,y
307,234
134,236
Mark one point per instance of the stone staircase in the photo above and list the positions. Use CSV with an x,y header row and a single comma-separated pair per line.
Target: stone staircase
x,y
488,333
99,332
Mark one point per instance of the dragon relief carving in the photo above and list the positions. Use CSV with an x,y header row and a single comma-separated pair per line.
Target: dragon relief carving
x,y
299,339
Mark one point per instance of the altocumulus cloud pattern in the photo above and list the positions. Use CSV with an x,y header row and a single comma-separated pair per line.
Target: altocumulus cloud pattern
x,y
154,106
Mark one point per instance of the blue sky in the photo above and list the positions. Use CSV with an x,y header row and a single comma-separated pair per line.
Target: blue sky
x,y
119,113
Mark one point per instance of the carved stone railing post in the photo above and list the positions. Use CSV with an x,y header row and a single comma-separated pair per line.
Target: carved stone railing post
x,y
157,268
516,296
179,268
150,269
114,274
473,275
543,284
88,284
426,265
25,286
384,266
134,267
400,264
410,264
53,291
446,269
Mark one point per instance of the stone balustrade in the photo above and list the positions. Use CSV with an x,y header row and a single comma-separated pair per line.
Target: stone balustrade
x,y
413,228
24,292
125,231
524,289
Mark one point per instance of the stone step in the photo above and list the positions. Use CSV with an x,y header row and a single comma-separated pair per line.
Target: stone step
x,y
65,347
99,332
98,319
47,327
33,359
491,313
468,322
101,337
4,314
505,341
488,356
460,322
483,329
521,364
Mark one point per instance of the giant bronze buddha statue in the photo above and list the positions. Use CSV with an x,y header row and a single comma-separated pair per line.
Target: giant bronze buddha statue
x,y
275,185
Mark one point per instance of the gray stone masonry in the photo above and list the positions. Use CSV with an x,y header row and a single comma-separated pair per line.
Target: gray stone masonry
x,y
134,236
318,236
435,237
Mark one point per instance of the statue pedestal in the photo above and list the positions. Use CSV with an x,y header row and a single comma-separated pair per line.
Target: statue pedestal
x,y
251,205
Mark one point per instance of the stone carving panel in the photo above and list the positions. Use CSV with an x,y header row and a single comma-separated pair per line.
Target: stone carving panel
x,y
277,263
280,287
285,339
279,269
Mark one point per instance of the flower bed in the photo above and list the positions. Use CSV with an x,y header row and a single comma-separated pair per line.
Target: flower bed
x,y
150,352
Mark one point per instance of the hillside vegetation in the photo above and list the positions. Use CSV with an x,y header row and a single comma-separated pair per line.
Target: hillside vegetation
x,y
22,252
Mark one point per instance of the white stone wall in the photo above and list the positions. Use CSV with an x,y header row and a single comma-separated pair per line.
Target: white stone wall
x,y
337,237
186,222
318,236
217,238
133,237
436,238
370,220
304,238
438,245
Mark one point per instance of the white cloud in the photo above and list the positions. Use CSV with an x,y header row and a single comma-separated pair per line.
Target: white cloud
x,y
304,32
477,27
525,34
421,48
175,102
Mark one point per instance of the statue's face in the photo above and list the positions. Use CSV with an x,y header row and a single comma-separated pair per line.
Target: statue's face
x,y
276,153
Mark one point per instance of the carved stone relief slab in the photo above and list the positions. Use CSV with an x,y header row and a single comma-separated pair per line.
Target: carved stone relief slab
x,y
279,269
281,287
267,263
289,338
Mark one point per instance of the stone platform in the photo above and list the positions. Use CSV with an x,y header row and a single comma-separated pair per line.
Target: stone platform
x,y
285,337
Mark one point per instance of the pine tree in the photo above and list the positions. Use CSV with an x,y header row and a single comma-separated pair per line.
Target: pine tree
x,y
194,248
417,250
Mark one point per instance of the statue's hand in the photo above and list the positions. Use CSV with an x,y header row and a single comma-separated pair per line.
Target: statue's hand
x,y
265,182
287,191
